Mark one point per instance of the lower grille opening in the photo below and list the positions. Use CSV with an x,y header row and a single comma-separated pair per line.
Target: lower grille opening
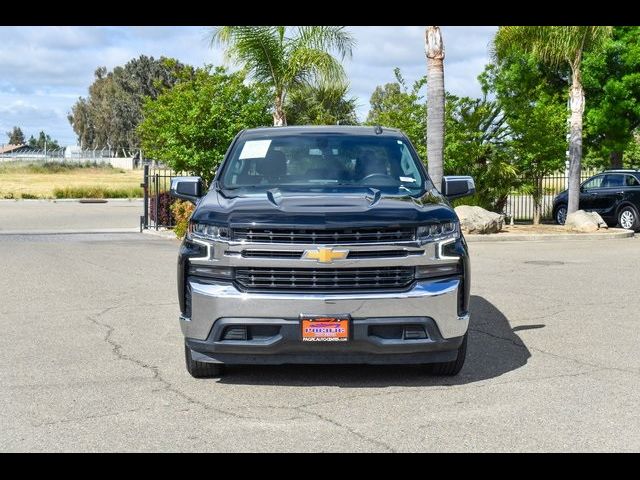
x,y
250,332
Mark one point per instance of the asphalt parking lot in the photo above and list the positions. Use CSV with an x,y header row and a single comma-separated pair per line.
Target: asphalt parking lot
x,y
91,359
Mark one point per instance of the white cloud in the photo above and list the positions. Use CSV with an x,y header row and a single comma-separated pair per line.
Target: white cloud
x,y
43,70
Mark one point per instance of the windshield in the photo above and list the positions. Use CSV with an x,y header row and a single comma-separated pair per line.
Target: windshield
x,y
320,160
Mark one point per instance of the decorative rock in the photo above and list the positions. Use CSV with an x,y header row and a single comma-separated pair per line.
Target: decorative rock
x,y
475,219
582,221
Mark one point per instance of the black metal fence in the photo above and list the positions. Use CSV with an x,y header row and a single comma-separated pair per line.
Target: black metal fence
x,y
156,183
520,203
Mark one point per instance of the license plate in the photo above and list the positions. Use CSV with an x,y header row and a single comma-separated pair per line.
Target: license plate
x,y
325,329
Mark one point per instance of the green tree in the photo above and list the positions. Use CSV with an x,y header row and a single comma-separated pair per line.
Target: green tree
x,y
43,141
633,151
16,137
477,143
109,116
321,105
286,58
476,139
530,98
395,105
434,50
190,126
612,84
557,46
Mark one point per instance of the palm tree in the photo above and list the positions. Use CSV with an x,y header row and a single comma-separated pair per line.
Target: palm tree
x,y
325,104
286,58
434,50
557,46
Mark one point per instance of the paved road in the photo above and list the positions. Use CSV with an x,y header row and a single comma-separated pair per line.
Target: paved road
x,y
91,359
50,216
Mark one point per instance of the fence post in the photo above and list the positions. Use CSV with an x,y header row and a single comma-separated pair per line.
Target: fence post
x,y
145,187
157,195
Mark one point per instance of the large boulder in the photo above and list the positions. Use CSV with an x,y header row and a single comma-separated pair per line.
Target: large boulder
x,y
478,220
582,221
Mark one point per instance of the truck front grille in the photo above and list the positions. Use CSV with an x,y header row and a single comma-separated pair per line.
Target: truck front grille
x,y
297,254
329,236
324,279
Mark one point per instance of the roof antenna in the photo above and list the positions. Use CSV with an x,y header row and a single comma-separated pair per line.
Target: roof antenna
x,y
378,130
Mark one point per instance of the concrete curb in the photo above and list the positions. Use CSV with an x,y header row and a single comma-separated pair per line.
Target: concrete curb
x,y
611,234
69,232
168,234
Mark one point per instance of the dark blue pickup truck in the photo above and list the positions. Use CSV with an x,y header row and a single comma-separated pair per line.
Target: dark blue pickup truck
x,y
325,245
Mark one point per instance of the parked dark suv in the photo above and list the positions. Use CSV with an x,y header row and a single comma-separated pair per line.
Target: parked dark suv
x,y
614,194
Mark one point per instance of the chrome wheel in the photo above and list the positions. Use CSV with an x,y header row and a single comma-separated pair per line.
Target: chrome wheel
x,y
561,215
627,219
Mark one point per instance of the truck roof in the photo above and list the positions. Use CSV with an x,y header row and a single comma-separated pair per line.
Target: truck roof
x,y
337,129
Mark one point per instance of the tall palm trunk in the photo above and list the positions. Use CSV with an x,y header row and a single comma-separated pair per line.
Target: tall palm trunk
x,y
537,201
435,103
576,93
279,115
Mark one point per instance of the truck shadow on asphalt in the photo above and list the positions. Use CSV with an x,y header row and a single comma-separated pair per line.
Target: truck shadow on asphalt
x,y
493,350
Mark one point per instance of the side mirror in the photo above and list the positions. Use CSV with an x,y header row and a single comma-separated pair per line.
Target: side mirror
x,y
186,188
457,186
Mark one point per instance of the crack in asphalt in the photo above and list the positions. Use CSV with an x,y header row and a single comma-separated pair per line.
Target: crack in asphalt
x,y
499,337
168,386
89,417
361,436
117,350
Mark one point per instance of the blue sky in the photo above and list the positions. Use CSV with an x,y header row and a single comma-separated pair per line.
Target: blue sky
x,y
43,70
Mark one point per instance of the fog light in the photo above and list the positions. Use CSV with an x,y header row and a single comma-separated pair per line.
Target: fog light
x,y
235,333
414,332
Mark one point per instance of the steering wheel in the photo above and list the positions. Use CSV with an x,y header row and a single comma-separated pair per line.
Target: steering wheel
x,y
386,179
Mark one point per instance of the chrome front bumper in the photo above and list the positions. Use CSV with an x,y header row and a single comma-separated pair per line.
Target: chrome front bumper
x,y
437,299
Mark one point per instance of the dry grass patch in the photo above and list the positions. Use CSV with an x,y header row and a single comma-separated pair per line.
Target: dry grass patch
x,y
38,181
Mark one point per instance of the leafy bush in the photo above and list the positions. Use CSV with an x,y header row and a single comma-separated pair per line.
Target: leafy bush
x,y
181,211
191,125
28,196
97,192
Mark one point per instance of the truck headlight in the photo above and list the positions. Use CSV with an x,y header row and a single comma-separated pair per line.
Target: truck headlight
x,y
211,232
438,231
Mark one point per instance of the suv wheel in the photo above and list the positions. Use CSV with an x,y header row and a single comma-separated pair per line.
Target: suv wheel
x,y
561,214
201,369
450,368
628,219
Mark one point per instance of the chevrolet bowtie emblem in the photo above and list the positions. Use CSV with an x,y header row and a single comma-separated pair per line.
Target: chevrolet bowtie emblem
x,y
325,254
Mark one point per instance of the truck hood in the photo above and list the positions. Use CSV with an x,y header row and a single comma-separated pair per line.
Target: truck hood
x,y
353,208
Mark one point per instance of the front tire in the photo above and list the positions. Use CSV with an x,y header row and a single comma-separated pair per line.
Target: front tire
x,y
628,218
201,369
450,369
561,214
